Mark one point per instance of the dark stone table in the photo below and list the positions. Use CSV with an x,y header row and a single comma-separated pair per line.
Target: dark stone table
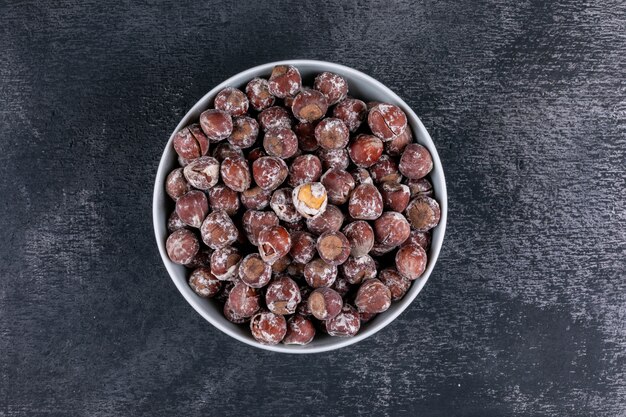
x,y
525,313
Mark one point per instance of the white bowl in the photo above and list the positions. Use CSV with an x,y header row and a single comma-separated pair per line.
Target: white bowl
x,y
361,86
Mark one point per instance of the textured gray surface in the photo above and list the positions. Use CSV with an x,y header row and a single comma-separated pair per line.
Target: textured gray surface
x,y
525,313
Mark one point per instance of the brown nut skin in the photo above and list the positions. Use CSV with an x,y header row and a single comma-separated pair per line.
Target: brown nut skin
x,y
204,283
329,221
300,331
397,284
420,187
361,237
223,198
269,172
302,247
361,176
202,173
230,315
357,270
182,246
227,286
345,324
365,150
245,132
174,223
298,226
244,300
192,208
231,101
303,169
254,272
218,230
225,263
306,136
236,174
282,296
334,158
268,328
366,317
191,142
255,154
333,247
282,204
274,117
332,133
419,238
341,285
379,249
274,243
258,93
365,203
373,297
352,112
256,198
339,184
423,213
285,81
281,265
324,303
411,261
310,199
333,86
386,121
296,269
202,259
415,162
309,106
281,142
391,229
225,150
395,196
319,273
254,221
216,124
395,146
385,170
176,185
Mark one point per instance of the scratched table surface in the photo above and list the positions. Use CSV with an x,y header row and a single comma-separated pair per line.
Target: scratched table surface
x,y
525,313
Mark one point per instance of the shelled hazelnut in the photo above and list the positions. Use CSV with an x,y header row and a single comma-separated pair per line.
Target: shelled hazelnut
x,y
304,168
300,331
361,237
225,263
274,243
373,297
216,124
411,261
204,283
202,173
310,199
268,328
182,246
258,93
345,324
282,296
339,184
254,271
325,303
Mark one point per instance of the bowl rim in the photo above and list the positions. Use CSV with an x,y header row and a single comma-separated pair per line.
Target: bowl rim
x,y
385,318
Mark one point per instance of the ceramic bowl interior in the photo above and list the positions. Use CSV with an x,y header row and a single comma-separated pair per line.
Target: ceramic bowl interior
x,y
361,86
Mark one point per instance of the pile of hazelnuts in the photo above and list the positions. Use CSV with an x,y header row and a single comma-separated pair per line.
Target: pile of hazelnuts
x,y
300,209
